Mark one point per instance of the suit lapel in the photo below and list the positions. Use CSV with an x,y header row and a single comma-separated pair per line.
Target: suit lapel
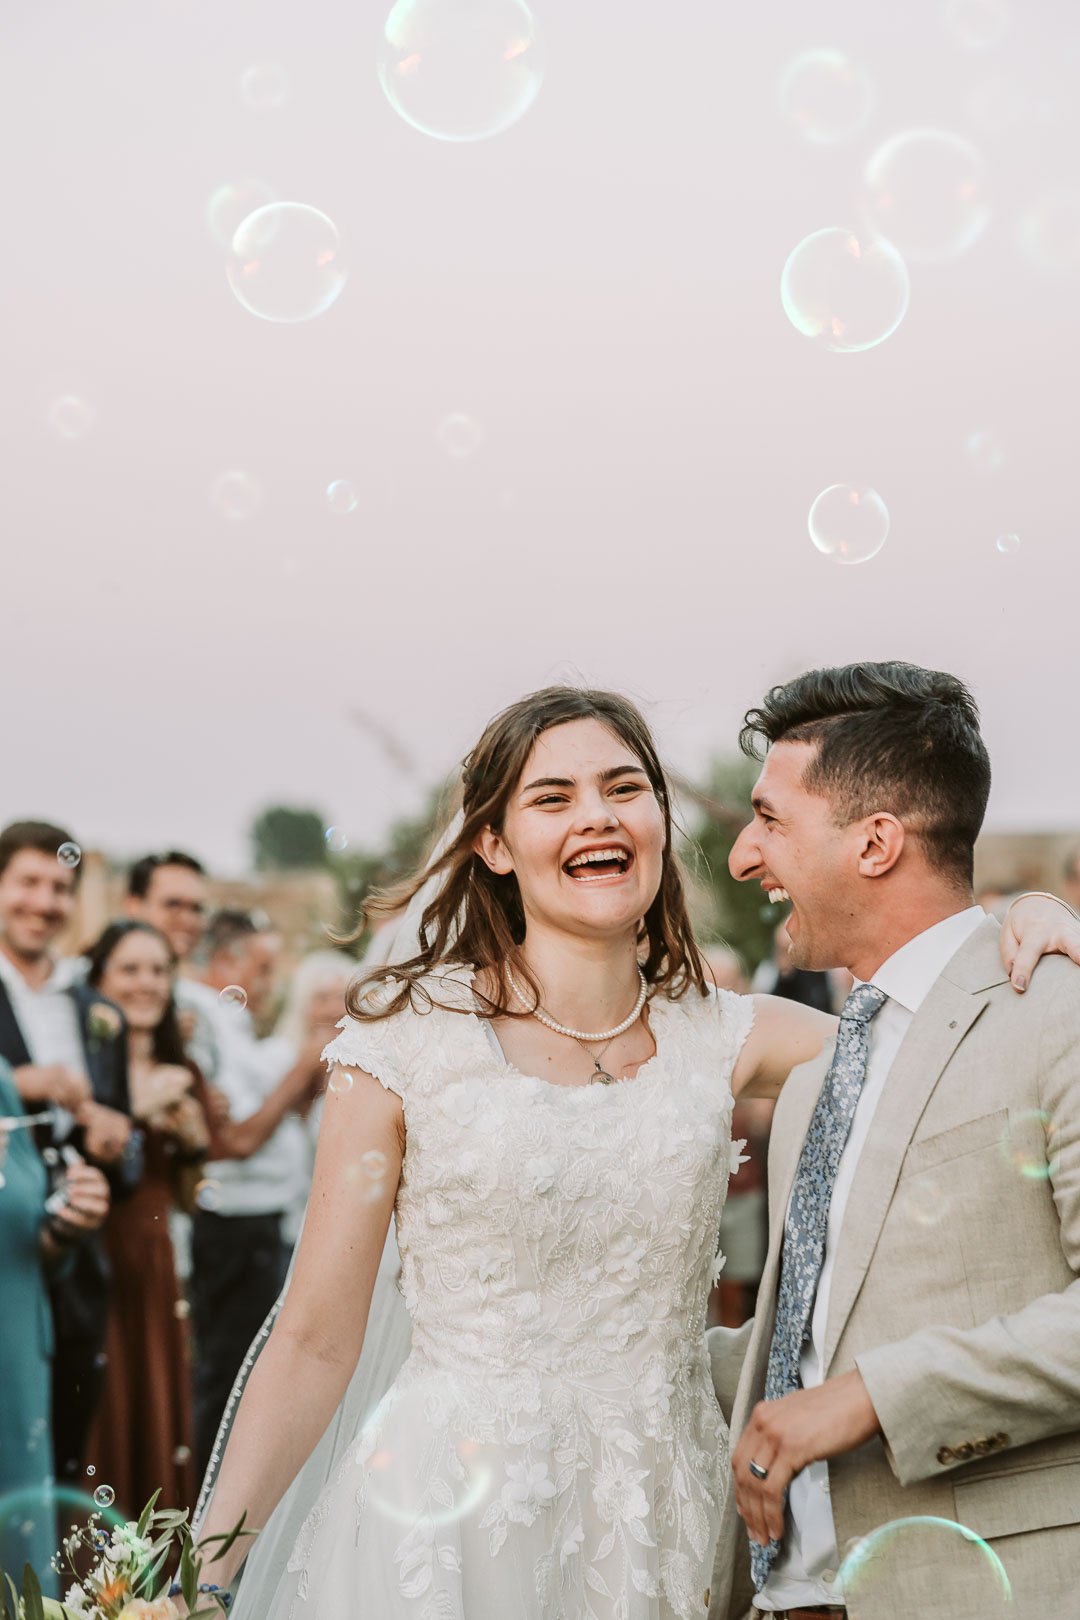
x,y
935,1032
12,1044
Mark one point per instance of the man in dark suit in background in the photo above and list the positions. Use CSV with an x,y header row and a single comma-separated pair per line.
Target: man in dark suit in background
x,y
68,1050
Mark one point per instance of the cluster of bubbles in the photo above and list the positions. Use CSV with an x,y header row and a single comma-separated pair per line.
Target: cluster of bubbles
x,y
69,855
233,995
461,72
341,497
825,95
284,262
904,1555
848,524
236,495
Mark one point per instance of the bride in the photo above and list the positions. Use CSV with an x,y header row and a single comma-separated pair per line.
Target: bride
x,y
542,1093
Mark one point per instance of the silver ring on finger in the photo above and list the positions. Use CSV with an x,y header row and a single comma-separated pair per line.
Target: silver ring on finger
x,y
757,1471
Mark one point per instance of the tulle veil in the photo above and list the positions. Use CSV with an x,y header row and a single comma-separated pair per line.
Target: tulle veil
x,y
385,1348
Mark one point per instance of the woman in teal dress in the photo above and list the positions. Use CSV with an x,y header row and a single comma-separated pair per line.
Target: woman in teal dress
x,y
31,1240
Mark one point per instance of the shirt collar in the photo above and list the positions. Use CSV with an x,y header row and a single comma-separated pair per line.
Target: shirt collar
x,y
908,974
65,973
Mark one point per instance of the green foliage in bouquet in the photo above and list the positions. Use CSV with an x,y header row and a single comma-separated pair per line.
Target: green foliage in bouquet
x,y
127,1579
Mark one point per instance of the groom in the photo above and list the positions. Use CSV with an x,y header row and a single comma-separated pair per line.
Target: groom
x,y
916,1349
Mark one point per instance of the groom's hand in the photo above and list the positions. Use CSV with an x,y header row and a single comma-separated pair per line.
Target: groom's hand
x,y
784,1436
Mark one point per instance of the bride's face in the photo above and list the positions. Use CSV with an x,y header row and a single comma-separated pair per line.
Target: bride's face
x,y
583,833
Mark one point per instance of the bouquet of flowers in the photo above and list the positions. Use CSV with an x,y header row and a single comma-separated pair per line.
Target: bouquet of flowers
x,y
127,1579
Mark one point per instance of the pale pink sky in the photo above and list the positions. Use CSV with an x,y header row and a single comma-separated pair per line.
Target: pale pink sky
x,y
599,287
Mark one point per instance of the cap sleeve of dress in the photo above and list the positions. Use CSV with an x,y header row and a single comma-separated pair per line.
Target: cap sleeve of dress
x,y
379,1046
736,1022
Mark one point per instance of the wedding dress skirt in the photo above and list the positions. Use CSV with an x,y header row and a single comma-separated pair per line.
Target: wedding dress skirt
x,y
552,1448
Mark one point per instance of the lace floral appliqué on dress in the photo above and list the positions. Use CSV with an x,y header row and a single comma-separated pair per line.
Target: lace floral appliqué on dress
x,y
552,1449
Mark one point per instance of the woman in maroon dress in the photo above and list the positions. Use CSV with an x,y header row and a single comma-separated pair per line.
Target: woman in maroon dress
x,y
142,1435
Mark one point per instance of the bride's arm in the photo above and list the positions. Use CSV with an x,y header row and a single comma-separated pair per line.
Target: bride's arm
x,y
302,1373
785,1033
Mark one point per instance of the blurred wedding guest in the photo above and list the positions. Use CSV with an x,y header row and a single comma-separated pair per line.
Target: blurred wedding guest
x,y
66,1046
777,977
169,891
33,1244
239,1253
142,1439
1070,885
744,1225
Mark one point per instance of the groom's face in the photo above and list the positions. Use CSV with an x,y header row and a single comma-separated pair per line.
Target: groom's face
x,y
795,850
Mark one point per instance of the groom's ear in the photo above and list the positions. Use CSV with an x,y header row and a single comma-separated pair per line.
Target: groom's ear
x,y
493,852
880,844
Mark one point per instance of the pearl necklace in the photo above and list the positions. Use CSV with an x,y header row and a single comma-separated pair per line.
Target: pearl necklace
x,y
580,1034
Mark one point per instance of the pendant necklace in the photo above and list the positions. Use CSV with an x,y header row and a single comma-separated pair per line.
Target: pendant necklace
x,y
600,1075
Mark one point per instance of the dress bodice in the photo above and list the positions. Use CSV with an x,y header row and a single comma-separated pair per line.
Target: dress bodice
x,y
558,1245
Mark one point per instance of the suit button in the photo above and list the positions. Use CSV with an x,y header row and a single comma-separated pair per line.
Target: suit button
x,y
965,1450
945,1455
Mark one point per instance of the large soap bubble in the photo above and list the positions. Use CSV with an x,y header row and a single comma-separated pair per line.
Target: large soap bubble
x,y
825,95
285,262
849,525
846,290
925,192
460,69
907,1555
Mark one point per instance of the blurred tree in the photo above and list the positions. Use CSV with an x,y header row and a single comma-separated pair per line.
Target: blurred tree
x,y
722,909
284,838
408,842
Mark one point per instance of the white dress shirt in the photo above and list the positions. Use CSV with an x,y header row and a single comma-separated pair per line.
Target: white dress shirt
x,y
805,1569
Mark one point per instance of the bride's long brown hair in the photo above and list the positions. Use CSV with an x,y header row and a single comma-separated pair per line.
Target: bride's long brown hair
x,y
476,919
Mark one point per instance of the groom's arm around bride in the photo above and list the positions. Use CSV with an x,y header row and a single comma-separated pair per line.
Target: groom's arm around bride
x,y
916,1349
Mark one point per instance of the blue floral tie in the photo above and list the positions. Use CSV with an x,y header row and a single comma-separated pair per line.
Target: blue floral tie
x,y
808,1211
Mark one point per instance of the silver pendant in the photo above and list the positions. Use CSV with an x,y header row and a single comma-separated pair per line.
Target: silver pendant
x,y
601,1077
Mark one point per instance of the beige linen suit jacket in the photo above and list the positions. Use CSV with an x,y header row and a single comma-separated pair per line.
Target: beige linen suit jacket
x,y
955,1291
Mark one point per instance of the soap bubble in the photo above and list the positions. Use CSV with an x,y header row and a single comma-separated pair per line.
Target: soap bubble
x,y
846,290
231,204
104,1496
285,262
233,995
847,524
984,451
460,71
70,417
433,1405
925,1200
373,1163
181,1455
69,855
1029,1144
182,1310
264,86
925,192
825,96
459,436
341,497
91,1470
907,1556
341,1082
337,839
237,495
1007,544
99,1540
978,24
208,1196
1050,234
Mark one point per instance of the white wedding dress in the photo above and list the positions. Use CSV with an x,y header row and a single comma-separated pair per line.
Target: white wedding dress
x,y
552,1448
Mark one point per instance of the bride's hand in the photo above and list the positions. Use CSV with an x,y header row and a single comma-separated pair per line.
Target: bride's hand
x,y
1035,926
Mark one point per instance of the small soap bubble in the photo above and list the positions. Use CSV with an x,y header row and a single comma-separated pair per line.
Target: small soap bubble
x,y
91,1469
1008,544
100,1540
341,1082
341,497
231,204
336,839
460,72
908,1555
984,451
233,995
181,1455
237,495
927,1201
459,436
846,290
69,855
182,1310
373,1163
264,86
70,417
285,263
978,24
925,192
1029,1144
825,95
848,524
208,1196
101,1360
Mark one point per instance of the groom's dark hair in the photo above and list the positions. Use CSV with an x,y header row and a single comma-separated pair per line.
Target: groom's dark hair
x,y
889,737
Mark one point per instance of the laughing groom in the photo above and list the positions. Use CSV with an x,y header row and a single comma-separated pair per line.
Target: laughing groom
x,y
916,1349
